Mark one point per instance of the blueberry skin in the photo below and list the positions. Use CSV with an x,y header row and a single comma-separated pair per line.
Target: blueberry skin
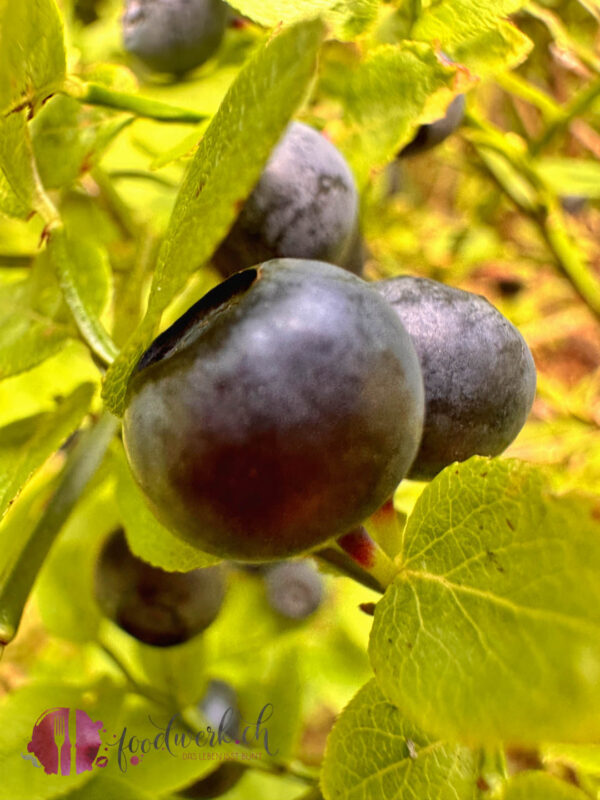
x,y
156,607
294,589
305,205
434,133
173,36
280,411
220,706
478,372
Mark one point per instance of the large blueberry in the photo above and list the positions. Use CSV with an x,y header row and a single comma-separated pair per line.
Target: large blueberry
x,y
478,372
305,205
281,410
156,607
173,36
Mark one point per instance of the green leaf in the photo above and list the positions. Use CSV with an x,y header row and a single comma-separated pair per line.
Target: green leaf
x,y
27,337
250,120
373,751
493,51
68,139
20,573
146,537
32,53
348,18
84,274
101,787
27,444
10,204
38,389
17,170
450,23
492,628
35,321
571,176
540,786
64,589
385,96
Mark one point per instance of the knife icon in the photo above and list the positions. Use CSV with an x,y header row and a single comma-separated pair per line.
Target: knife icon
x,y
72,741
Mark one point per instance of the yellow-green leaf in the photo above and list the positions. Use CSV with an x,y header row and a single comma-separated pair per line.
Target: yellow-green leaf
x,y
385,96
454,22
491,630
348,18
26,444
373,751
32,52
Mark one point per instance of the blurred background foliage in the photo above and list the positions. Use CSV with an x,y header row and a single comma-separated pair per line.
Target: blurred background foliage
x,y
509,207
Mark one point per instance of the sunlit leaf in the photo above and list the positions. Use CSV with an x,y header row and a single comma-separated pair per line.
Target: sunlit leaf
x,y
373,751
492,628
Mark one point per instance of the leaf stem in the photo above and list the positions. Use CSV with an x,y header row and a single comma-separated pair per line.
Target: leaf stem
x,y
76,474
89,326
361,558
342,562
368,555
95,94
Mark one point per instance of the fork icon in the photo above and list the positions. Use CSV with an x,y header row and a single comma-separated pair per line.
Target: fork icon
x,y
59,739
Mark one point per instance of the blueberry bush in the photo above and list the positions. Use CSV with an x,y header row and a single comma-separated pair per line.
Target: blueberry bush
x,y
357,502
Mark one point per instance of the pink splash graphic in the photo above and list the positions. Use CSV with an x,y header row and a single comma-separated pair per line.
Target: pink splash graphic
x,y
65,741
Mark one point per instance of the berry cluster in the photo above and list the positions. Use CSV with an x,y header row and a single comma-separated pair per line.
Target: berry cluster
x,y
285,406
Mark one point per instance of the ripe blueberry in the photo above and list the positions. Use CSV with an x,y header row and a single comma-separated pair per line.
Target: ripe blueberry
x,y
478,372
279,411
305,205
156,607
173,36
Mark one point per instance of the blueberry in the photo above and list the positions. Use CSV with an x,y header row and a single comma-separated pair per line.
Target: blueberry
x,y
279,411
294,589
156,607
305,205
434,133
478,372
219,706
173,36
